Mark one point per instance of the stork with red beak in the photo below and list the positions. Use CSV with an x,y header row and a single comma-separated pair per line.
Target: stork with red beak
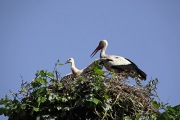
x,y
118,64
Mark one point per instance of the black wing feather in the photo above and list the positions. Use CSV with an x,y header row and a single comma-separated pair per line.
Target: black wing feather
x,y
130,67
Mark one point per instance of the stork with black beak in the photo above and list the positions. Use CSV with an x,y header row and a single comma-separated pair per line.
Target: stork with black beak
x,y
118,64
74,70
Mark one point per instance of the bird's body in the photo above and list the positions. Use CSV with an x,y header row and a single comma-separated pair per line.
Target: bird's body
x,y
77,72
74,70
118,64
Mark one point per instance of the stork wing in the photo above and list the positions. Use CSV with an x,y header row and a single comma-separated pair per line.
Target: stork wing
x,y
130,67
124,64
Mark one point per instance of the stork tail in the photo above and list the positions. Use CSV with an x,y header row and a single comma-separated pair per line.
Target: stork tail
x,y
142,74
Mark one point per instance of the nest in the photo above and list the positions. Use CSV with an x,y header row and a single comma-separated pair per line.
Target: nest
x,y
114,90
97,95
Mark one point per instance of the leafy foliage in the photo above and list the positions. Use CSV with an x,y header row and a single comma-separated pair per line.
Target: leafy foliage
x,y
170,113
97,95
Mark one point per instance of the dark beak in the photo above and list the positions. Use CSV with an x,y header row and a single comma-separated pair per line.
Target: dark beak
x,y
95,51
66,62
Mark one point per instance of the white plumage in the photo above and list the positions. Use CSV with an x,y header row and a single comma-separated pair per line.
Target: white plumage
x,y
77,72
116,63
74,70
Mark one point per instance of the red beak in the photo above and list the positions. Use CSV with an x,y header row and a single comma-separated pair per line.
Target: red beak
x,y
95,51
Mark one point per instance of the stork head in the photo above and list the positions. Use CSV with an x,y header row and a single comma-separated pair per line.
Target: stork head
x,y
70,60
102,44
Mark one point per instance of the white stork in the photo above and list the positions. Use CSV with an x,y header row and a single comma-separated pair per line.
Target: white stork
x,y
74,70
118,64
77,72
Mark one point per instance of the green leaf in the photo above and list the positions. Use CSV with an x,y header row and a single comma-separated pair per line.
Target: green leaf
x,y
1,101
163,116
39,91
106,97
59,64
127,118
177,107
64,99
170,109
42,73
95,100
41,100
3,111
23,106
98,71
36,109
43,81
23,89
50,74
35,84
155,104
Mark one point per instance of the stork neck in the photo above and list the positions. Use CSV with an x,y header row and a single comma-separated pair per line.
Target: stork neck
x,y
103,54
73,67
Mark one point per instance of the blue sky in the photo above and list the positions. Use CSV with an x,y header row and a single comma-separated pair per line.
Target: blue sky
x,y
35,34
